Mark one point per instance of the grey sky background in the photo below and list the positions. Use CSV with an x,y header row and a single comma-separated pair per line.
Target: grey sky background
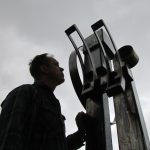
x,y
31,27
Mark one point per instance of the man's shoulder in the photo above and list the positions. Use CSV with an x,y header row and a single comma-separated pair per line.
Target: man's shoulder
x,y
24,90
24,86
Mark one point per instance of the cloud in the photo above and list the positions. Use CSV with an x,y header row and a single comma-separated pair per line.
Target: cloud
x,y
42,21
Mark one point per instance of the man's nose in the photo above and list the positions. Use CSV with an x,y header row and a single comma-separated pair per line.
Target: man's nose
x,y
61,69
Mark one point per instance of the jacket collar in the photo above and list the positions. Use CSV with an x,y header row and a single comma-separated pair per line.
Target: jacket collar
x,y
42,85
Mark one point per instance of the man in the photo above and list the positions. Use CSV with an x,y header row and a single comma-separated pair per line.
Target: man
x,y
31,116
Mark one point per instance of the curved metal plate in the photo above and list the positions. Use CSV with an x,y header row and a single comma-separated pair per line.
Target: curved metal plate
x,y
75,77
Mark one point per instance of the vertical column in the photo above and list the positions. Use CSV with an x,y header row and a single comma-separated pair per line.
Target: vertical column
x,y
132,134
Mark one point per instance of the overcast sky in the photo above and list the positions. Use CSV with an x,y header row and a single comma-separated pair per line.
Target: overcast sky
x,y
30,27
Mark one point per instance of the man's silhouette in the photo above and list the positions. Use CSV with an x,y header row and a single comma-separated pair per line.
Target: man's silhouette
x,y
31,116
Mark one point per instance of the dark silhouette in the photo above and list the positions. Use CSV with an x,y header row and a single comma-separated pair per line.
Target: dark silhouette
x,y
31,116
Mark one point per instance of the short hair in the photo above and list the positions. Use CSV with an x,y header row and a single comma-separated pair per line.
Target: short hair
x,y
35,64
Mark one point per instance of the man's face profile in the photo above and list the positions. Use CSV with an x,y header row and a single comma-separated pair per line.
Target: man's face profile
x,y
54,71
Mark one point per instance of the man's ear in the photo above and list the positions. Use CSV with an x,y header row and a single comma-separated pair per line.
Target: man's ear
x,y
44,68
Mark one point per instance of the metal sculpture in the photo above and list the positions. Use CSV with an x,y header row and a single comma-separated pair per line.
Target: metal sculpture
x,y
107,73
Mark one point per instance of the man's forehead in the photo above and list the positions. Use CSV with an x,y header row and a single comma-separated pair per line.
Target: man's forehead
x,y
52,60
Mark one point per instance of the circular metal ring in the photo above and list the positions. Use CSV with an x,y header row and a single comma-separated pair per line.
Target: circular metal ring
x,y
75,77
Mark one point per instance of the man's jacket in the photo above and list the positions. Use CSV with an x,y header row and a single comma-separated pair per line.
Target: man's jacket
x,y
31,119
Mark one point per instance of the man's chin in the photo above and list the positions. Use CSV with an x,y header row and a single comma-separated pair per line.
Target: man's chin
x,y
61,81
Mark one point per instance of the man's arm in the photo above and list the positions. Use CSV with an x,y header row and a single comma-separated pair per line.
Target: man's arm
x,y
75,140
84,123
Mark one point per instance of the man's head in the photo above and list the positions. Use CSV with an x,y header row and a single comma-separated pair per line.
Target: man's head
x,y
47,67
